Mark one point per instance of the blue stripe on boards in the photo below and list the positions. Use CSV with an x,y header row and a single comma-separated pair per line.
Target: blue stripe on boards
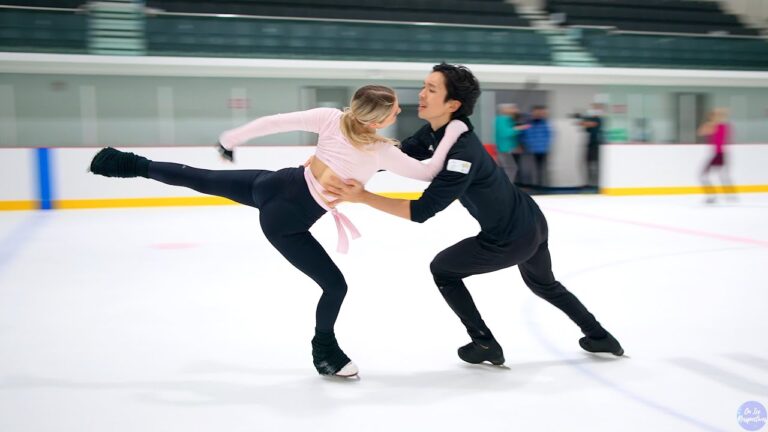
x,y
45,188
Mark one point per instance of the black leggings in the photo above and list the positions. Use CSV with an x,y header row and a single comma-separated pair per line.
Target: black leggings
x,y
530,253
287,211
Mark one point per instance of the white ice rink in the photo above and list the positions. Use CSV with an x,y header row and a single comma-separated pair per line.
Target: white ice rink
x,y
186,319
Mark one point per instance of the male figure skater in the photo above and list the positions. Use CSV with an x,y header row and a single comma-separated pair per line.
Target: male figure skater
x,y
513,228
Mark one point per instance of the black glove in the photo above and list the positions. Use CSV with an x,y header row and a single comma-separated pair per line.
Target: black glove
x,y
226,154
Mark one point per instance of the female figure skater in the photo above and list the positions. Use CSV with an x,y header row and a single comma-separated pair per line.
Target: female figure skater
x,y
718,132
291,200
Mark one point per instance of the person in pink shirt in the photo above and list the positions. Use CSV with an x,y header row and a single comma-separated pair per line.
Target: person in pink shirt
x,y
291,200
717,130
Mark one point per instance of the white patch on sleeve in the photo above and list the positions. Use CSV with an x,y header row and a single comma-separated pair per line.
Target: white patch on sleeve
x,y
458,166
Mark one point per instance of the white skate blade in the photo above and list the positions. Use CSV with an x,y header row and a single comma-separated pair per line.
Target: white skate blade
x,y
349,370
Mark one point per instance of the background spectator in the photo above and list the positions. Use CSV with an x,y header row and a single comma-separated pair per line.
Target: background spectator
x,y
538,140
507,142
593,124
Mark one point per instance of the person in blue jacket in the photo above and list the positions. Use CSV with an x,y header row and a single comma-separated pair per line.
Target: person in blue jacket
x,y
538,140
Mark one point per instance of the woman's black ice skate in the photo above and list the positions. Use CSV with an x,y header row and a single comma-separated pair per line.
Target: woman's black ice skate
x,y
608,344
110,162
481,351
329,359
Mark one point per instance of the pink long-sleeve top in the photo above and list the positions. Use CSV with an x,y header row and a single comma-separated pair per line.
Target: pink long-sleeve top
x,y
343,158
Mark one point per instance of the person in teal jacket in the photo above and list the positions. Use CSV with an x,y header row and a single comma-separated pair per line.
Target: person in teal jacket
x,y
507,145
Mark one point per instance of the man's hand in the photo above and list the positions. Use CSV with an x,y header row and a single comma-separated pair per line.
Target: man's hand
x,y
345,190
353,191
227,155
309,161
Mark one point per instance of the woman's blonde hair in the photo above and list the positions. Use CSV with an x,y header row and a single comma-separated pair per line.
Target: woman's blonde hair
x,y
719,114
370,104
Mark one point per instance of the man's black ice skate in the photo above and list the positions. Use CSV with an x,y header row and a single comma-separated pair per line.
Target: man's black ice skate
x,y
111,162
608,344
329,359
481,351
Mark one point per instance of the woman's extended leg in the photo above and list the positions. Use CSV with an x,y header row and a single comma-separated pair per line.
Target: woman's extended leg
x,y
236,185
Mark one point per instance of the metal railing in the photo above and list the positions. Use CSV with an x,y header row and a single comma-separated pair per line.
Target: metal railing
x,y
159,12
616,30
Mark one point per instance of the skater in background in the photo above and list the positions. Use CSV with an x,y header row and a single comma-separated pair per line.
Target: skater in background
x,y
513,229
718,132
291,200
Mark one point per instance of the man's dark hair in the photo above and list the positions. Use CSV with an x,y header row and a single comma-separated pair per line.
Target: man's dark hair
x,y
461,85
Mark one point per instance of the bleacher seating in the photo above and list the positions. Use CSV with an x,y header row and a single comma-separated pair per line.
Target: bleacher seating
x,y
640,50
675,16
43,31
349,37
489,31
440,11
67,4
243,37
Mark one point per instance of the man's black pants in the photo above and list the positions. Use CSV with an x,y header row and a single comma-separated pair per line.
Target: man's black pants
x,y
530,253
